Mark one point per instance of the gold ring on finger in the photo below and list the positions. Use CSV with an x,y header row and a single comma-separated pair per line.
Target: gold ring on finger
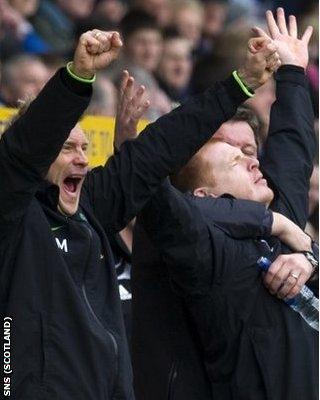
x,y
295,276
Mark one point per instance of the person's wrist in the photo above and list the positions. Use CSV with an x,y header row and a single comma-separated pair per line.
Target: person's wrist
x,y
305,243
248,80
82,74
248,91
293,62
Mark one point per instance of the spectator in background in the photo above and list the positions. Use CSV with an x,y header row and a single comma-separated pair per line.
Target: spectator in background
x,y
215,14
55,26
141,55
56,21
159,9
104,98
112,10
187,17
22,76
225,55
76,9
142,40
175,67
17,33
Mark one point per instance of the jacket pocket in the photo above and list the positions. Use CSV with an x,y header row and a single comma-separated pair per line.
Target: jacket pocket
x,y
172,379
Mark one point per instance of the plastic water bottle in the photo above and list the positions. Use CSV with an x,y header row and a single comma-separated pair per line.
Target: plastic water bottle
x,y
305,303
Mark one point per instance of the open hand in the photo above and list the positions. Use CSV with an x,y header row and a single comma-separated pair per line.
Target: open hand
x,y
291,49
131,106
95,51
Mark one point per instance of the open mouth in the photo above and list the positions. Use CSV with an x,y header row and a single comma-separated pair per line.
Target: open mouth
x,y
71,184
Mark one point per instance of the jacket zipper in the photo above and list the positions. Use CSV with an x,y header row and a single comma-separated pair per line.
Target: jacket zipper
x,y
113,340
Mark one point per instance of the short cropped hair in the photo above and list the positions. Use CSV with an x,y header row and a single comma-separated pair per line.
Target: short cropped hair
x,y
12,65
246,114
136,20
197,172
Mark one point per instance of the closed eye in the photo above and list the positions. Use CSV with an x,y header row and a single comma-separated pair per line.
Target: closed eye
x,y
236,160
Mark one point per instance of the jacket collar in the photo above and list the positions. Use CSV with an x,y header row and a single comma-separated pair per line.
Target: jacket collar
x,y
48,194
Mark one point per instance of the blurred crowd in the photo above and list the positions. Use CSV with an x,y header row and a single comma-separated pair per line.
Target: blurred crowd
x,y
175,48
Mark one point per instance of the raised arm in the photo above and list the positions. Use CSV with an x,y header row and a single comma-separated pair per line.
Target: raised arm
x,y
33,142
120,189
291,144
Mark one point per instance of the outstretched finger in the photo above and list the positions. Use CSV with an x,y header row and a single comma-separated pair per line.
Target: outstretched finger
x,y
142,109
124,80
281,20
126,93
128,90
293,29
257,43
272,25
307,34
260,32
137,114
137,97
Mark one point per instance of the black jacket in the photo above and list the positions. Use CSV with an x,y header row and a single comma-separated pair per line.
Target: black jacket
x,y
253,346
57,278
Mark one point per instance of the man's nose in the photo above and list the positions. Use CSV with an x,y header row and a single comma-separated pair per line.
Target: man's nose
x,y
81,158
253,163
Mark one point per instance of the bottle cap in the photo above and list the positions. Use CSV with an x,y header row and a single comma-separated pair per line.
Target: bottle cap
x,y
263,263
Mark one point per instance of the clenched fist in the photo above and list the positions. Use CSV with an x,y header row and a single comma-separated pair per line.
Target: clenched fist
x,y
95,51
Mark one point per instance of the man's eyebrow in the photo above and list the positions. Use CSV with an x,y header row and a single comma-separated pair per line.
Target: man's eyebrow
x,y
72,143
69,142
236,158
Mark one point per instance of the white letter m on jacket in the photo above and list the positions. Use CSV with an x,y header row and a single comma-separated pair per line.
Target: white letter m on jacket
x,y
63,246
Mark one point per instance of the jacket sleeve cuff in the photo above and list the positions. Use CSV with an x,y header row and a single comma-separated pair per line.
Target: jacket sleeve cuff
x,y
235,91
291,73
75,86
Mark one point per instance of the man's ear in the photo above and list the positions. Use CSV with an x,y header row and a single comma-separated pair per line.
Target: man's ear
x,y
203,192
